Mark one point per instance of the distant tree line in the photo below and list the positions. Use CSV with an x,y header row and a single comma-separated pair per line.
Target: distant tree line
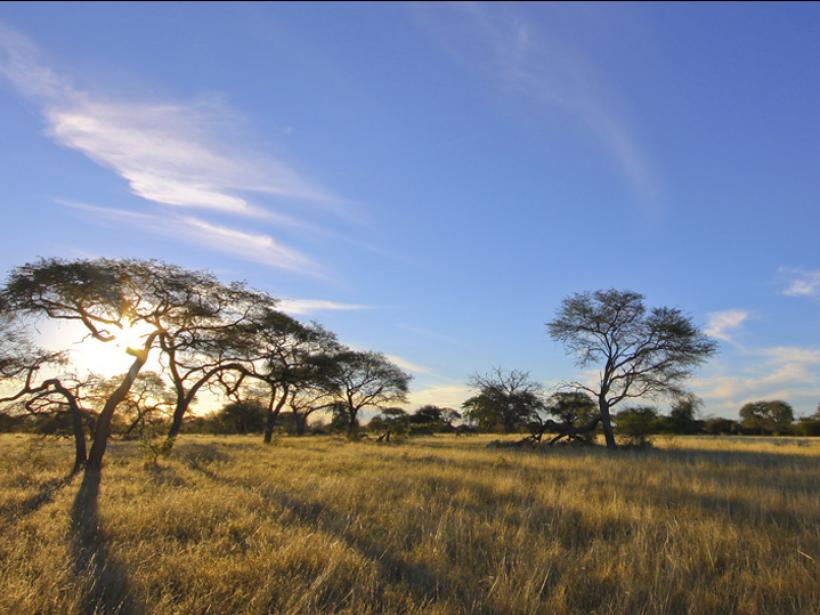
x,y
196,333
510,402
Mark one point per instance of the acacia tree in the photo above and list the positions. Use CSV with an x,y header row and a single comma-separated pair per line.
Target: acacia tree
x,y
209,333
108,298
682,417
641,353
767,417
390,422
365,380
313,392
506,399
287,356
21,365
116,299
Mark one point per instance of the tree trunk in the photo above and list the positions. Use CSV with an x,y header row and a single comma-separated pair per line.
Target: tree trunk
x,y
270,419
270,423
301,423
273,413
176,420
352,423
103,427
80,455
606,422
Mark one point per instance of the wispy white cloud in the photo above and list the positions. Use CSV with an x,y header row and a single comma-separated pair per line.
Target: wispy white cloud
x,y
791,354
409,366
169,153
801,283
537,63
785,372
448,396
721,324
249,246
309,306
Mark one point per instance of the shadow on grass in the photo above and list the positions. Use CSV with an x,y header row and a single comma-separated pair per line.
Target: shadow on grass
x,y
424,584
105,581
14,512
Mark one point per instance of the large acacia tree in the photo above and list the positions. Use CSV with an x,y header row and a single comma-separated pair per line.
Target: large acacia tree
x,y
364,380
284,355
208,332
146,303
640,352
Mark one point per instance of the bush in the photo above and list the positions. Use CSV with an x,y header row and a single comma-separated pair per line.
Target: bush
x,y
637,424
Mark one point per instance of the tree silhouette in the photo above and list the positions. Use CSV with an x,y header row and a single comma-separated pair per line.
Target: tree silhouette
x,y
365,380
641,353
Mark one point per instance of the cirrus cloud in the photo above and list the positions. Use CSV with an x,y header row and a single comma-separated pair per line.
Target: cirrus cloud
x,y
721,324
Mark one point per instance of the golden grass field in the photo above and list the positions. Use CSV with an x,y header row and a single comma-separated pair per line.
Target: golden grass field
x,y
435,525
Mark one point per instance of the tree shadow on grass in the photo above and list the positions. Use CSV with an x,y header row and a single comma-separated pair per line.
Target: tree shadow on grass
x,y
13,512
105,581
423,583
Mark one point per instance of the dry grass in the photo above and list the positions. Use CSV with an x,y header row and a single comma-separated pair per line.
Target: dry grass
x,y
437,525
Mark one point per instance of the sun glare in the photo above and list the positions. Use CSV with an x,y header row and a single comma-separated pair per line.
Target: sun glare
x,y
131,336
92,356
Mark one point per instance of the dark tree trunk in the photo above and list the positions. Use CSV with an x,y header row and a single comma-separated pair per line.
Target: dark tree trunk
x,y
103,428
80,455
270,419
270,423
301,423
273,413
352,423
176,419
606,422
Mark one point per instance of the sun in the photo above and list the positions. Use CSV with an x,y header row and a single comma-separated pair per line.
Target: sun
x,y
89,355
131,335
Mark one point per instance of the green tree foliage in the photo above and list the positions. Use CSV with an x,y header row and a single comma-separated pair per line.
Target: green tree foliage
x,y
507,400
809,425
241,417
682,418
391,422
641,353
431,418
637,423
572,407
720,426
767,417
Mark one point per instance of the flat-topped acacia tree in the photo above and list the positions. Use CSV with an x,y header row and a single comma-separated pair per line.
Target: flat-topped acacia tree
x,y
129,301
286,356
212,337
641,353
365,380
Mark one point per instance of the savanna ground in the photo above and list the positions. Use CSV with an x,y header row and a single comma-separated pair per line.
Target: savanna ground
x,y
435,525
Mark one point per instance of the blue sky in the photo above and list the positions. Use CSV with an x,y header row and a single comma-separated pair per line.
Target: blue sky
x,y
431,181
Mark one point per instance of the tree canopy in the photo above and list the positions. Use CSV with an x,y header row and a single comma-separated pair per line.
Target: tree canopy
x,y
365,380
506,400
640,352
